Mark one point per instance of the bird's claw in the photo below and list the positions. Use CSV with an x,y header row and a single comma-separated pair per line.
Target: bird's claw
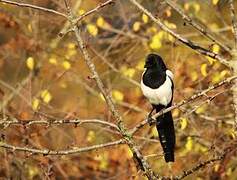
x,y
150,120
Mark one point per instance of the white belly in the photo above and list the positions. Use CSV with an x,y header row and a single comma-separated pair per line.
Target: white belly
x,y
161,95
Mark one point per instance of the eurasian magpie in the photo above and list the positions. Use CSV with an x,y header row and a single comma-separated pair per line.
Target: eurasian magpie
x,y
157,86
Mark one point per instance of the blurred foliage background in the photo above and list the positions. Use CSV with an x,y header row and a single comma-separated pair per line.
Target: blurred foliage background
x,y
44,76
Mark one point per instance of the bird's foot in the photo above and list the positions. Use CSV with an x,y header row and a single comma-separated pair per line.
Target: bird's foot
x,y
150,120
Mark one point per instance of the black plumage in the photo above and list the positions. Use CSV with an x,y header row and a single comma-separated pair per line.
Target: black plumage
x,y
157,85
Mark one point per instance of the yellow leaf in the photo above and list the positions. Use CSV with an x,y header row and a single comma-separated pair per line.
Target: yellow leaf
x,y
103,162
203,148
33,171
53,61
201,109
217,77
117,95
214,26
215,2
175,113
81,12
101,97
129,153
194,75
168,12
140,65
100,22
189,144
35,104
186,6
145,18
29,27
70,53
229,171
232,133
204,69
196,7
155,45
71,46
30,63
211,60
170,25
90,136
152,30
129,72
154,131
170,38
46,96
66,65
156,41
216,167
183,123
63,85
92,29
136,26
215,48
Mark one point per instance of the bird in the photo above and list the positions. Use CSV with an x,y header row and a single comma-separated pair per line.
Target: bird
x,y
158,87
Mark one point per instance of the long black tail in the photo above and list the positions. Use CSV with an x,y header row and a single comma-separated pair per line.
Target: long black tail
x,y
165,128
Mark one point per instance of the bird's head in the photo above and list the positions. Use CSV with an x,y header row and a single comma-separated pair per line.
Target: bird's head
x,y
155,61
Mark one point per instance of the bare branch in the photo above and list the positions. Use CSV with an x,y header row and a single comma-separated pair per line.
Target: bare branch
x,y
192,98
97,8
234,20
137,154
74,150
34,7
198,27
141,161
197,167
187,42
203,164
7,123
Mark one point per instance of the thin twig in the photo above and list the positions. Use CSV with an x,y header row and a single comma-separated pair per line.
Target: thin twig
x,y
203,164
74,150
234,20
65,29
187,42
112,67
198,27
34,7
7,123
97,8
15,91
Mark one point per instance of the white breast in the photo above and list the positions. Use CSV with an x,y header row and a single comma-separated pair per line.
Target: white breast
x,y
161,95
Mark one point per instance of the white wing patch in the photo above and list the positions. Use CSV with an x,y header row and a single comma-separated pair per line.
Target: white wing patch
x,y
161,95
170,74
